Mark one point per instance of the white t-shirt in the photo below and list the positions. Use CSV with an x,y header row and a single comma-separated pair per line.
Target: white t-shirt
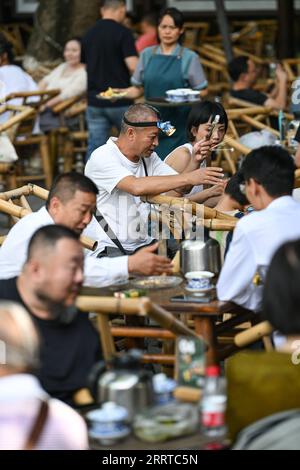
x,y
199,187
20,396
12,80
126,215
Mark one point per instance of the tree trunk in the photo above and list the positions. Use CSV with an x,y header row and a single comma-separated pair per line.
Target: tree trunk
x,y
58,20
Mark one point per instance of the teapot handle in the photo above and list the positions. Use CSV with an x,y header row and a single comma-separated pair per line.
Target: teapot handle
x,y
92,380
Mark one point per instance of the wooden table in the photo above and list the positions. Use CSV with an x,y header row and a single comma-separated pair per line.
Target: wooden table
x,y
203,314
196,441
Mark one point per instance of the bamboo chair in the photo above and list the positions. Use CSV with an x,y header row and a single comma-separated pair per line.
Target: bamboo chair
x,y
168,328
169,325
17,114
292,68
7,206
216,74
178,216
14,33
70,143
195,33
262,330
25,138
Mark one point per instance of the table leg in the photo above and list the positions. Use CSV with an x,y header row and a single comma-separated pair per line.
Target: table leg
x,y
205,326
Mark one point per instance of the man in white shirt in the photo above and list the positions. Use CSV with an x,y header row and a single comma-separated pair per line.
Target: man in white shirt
x,y
71,202
127,167
23,402
269,179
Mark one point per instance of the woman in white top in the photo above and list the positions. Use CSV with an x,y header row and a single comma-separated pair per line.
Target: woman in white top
x,y
201,145
70,77
13,79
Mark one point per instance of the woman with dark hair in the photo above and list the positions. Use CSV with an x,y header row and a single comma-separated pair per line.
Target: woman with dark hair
x,y
168,66
200,145
70,77
13,79
262,383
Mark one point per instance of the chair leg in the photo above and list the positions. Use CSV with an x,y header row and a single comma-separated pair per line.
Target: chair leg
x,y
68,153
44,149
107,342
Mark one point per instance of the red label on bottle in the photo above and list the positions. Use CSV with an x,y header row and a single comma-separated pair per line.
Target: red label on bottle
x,y
210,419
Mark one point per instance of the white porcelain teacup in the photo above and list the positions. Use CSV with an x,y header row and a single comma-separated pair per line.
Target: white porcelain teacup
x,y
199,280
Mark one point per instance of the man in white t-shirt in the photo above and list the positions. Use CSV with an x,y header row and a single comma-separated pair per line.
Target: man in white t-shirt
x,y
127,167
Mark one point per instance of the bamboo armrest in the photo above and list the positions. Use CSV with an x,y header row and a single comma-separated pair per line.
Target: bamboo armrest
x,y
139,306
169,322
76,109
253,334
259,125
19,212
65,104
183,204
24,114
29,94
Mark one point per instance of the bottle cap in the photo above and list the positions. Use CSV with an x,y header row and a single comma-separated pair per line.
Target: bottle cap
x,y
212,371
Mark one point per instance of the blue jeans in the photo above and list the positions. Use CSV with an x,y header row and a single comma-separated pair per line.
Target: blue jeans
x,y
99,122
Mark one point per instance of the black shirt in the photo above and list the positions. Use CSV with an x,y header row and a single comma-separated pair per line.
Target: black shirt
x,y
68,350
104,49
250,95
256,97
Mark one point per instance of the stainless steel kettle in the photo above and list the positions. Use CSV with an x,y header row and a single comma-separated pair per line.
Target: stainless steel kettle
x,y
198,255
124,383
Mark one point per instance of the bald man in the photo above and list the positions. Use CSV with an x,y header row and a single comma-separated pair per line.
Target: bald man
x,y
23,402
126,168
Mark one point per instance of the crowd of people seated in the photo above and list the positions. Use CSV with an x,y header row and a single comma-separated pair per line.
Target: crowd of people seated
x,y
52,346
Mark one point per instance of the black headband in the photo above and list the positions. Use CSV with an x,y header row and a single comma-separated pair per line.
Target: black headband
x,y
140,124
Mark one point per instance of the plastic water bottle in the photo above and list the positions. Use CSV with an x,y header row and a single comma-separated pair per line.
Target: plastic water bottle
x,y
213,403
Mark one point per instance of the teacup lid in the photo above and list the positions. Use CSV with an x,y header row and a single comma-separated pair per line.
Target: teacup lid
x,y
199,275
163,384
109,412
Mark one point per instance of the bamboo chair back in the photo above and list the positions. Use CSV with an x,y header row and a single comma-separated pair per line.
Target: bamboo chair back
x,y
24,136
195,33
17,211
169,325
70,143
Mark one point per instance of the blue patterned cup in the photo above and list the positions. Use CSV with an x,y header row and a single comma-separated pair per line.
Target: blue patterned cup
x,y
199,280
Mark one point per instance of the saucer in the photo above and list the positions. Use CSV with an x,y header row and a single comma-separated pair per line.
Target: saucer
x,y
198,292
108,438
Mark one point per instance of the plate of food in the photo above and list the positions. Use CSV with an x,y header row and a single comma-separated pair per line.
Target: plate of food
x,y
156,282
110,94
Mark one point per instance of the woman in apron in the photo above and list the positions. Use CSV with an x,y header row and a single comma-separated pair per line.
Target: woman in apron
x,y
164,67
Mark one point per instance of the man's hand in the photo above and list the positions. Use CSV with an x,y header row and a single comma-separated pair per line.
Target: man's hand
x,y
209,175
146,262
217,189
202,149
281,74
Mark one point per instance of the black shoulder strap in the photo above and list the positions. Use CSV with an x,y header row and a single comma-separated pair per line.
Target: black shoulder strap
x,y
145,167
38,426
109,231
106,227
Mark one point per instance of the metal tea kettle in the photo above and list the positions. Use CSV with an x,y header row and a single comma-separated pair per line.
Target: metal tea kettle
x,y
125,383
200,255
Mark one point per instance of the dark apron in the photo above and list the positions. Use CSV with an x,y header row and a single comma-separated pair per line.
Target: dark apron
x,y
162,73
